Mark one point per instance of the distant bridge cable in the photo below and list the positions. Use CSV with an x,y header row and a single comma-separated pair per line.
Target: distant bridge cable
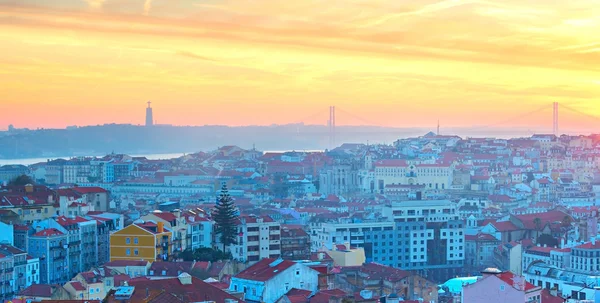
x,y
369,123
521,116
576,111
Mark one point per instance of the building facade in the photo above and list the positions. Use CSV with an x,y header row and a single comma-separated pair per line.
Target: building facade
x,y
258,238
141,241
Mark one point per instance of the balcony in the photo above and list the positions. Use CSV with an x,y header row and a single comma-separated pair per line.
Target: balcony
x,y
21,263
8,269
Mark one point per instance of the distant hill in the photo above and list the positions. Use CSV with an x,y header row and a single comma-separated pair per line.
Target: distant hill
x,y
97,140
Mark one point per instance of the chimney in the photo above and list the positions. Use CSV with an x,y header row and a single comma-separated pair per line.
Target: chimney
x,y
160,227
50,199
593,240
177,213
321,256
562,243
28,188
347,244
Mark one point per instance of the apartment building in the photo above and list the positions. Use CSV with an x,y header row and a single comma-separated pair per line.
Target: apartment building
x,y
295,244
18,280
328,235
146,241
51,247
428,237
76,171
98,197
82,243
258,238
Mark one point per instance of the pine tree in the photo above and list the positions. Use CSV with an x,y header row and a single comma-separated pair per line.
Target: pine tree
x,y
225,217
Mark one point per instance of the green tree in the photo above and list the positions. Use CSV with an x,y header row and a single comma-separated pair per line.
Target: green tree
x,y
225,216
21,180
566,221
548,240
538,223
200,274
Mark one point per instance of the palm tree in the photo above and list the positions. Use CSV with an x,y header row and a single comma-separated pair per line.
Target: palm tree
x,y
538,223
566,221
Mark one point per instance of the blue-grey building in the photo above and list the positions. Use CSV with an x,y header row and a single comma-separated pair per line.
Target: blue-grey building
x,y
51,247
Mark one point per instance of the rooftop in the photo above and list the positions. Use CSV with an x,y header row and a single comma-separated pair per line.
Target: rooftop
x,y
265,269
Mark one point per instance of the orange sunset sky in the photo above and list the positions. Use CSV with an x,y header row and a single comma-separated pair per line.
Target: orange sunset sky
x,y
240,62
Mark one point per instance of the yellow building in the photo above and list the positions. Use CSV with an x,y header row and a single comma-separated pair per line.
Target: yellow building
x,y
147,241
344,255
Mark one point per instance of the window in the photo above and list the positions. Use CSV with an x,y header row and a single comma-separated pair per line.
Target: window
x,y
128,252
136,252
135,240
98,290
127,240
501,287
297,272
91,290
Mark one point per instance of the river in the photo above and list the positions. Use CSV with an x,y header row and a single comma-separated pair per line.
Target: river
x,y
29,161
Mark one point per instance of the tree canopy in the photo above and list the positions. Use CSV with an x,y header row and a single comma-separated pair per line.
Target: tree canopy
x,y
225,217
21,180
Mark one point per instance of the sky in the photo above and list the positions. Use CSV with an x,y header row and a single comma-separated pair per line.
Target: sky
x,y
394,63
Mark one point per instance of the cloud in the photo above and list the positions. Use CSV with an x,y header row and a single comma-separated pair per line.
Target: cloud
x,y
95,5
147,7
195,56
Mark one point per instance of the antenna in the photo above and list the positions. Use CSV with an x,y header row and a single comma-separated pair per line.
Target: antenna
x,y
438,128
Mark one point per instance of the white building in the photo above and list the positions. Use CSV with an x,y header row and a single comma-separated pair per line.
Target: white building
x,y
268,280
258,238
33,271
432,175
330,234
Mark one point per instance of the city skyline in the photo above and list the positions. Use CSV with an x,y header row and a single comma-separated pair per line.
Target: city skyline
x,y
258,63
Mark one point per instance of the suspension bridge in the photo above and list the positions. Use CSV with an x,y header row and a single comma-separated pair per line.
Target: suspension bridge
x,y
555,117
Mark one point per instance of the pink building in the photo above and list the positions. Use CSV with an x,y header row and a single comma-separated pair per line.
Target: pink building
x,y
496,286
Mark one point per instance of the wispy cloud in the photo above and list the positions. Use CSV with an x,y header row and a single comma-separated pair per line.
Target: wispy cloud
x,y
147,7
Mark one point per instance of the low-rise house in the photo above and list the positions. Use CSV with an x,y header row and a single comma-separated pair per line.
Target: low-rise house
x,y
505,287
386,280
162,270
269,279
132,268
184,288
42,292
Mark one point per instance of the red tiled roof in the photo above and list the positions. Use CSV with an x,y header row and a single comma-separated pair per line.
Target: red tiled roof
x,y
252,219
197,291
65,221
39,290
77,286
171,269
89,190
547,217
323,296
11,249
48,233
504,226
123,263
589,245
480,237
265,269
549,298
169,217
500,198
508,277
